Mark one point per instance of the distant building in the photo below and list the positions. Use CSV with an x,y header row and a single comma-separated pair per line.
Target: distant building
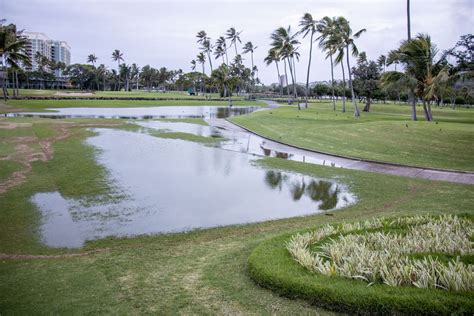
x,y
58,51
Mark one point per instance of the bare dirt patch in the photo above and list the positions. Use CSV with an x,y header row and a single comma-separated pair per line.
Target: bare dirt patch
x,y
74,94
26,152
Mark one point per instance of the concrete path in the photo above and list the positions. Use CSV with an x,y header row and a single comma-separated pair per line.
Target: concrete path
x,y
268,147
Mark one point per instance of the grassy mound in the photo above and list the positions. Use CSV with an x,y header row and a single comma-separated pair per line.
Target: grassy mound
x,y
272,266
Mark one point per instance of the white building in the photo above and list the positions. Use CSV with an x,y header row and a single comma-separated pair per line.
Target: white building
x,y
58,51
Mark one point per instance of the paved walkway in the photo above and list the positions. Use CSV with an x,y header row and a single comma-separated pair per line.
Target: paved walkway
x,y
310,156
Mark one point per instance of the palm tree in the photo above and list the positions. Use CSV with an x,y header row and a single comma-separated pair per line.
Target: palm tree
x,y
12,54
201,58
102,73
92,59
346,40
219,52
423,74
206,46
222,43
135,74
308,26
234,37
118,57
285,44
273,57
223,78
249,48
327,27
382,63
193,64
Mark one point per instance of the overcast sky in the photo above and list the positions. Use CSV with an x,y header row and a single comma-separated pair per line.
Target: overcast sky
x,y
162,33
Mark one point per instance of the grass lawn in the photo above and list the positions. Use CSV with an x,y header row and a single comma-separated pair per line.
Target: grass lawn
x,y
41,105
385,134
200,272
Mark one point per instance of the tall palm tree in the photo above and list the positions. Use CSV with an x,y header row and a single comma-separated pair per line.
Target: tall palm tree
x,y
273,57
193,64
423,74
201,58
92,59
345,39
250,48
285,44
219,52
326,27
206,45
308,25
223,44
234,37
12,54
118,57
382,63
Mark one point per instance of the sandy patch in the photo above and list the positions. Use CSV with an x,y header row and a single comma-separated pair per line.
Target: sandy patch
x,y
74,94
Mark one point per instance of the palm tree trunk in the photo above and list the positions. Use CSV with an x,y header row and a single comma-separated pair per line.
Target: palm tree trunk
x,y
412,98
343,88
279,79
425,111
203,81
226,57
292,80
309,67
235,45
429,111
210,61
408,20
17,84
356,109
286,81
332,84
295,92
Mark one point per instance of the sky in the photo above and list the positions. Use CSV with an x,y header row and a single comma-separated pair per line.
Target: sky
x,y
162,33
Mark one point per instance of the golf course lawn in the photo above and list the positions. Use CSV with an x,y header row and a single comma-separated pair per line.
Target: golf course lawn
x,y
385,134
202,271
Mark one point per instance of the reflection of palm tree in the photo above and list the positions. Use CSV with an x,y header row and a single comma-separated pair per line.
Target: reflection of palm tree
x,y
321,191
273,179
297,189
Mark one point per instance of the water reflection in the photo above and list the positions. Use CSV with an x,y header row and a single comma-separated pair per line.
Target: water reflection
x,y
142,112
323,191
167,185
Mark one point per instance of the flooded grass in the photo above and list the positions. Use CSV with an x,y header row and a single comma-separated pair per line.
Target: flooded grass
x,y
202,271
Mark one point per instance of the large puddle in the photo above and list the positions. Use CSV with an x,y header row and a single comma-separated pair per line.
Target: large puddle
x,y
142,112
168,185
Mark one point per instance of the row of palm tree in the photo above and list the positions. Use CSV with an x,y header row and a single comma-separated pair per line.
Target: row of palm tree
x,y
335,37
221,50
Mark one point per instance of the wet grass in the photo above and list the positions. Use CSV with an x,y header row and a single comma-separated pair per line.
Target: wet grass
x,y
42,105
385,134
200,272
198,121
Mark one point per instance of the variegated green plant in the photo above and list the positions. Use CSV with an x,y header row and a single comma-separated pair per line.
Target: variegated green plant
x,y
349,250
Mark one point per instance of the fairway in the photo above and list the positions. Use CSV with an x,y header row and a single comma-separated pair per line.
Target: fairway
x,y
386,134
197,272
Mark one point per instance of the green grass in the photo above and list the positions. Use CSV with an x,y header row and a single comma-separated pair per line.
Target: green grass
x,y
41,105
271,266
200,272
8,167
198,121
385,134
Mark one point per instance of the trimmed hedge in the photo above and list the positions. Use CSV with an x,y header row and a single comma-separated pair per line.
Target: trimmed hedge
x,y
271,266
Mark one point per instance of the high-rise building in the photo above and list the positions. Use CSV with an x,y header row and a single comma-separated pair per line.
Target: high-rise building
x,y
58,51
